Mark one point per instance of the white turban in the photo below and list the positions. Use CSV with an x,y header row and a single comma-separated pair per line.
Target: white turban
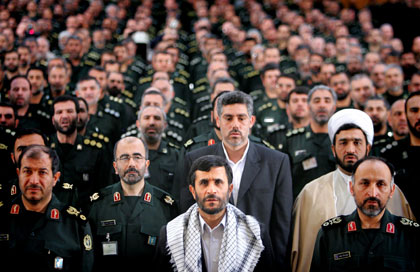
x,y
351,116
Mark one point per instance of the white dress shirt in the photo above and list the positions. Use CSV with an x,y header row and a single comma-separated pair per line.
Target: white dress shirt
x,y
211,241
344,201
237,170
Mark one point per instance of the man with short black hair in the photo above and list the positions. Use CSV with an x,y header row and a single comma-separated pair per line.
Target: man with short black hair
x,y
371,237
340,83
213,235
256,169
38,225
378,110
404,153
126,216
82,164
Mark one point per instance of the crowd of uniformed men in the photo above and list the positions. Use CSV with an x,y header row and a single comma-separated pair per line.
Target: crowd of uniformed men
x,y
78,76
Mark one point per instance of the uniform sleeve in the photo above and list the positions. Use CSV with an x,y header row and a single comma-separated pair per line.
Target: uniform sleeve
x,y
87,247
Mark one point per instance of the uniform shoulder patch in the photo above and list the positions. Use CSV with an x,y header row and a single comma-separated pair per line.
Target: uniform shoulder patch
x,y
75,212
188,143
333,222
267,144
174,145
409,223
94,197
145,80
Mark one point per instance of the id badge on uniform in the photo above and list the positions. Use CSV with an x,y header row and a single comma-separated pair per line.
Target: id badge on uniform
x,y
110,248
309,163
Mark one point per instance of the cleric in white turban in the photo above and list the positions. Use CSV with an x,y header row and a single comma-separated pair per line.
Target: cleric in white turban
x,y
351,116
329,195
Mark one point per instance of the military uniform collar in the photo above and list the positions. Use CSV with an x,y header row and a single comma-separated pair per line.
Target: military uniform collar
x,y
118,194
354,218
53,211
163,147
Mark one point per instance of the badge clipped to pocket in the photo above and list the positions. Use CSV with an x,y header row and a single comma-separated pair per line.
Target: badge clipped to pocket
x,y
309,163
110,248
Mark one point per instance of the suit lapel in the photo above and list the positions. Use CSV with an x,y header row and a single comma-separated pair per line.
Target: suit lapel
x,y
251,170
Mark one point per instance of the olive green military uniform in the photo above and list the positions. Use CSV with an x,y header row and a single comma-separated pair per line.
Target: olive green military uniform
x,y
126,229
342,245
379,142
391,98
405,158
310,156
178,118
199,126
59,239
269,116
277,135
161,170
82,168
116,106
108,120
37,118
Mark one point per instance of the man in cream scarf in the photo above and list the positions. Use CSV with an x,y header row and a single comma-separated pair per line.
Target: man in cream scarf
x,y
213,235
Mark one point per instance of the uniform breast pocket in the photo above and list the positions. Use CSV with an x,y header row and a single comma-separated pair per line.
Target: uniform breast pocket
x,y
344,261
109,233
395,263
305,161
59,258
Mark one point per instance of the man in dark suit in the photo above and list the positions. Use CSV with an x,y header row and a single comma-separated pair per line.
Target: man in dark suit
x,y
262,185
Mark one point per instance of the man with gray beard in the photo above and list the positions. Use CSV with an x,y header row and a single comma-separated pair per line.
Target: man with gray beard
x,y
163,156
309,147
394,80
126,217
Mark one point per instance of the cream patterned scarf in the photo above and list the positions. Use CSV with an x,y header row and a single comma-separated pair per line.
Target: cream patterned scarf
x,y
241,243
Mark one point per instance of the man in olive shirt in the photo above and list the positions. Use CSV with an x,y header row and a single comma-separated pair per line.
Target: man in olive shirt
x,y
309,148
126,217
163,156
48,234
371,238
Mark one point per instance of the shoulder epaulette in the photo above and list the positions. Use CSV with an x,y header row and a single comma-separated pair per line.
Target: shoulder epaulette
x,y
293,132
175,124
128,133
94,197
201,118
199,89
275,127
267,144
409,223
112,112
206,107
114,99
43,114
100,137
204,98
181,80
182,112
184,73
195,61
10,132
188,143
252,74
264,106
180,101
201,81
145,80
174,145
73,211
67,186
92,143
127,93
130,102
174,135
256,93
333,221
389,146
